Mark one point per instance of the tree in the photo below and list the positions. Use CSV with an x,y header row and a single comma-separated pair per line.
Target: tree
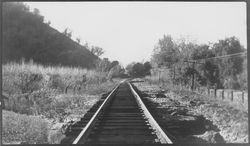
x,y
129,68
229,68
48,23
36,11
138,69
115,71
147,67
67,33
242,77
207,74
113,63
98,51
165,52
78,39
103,65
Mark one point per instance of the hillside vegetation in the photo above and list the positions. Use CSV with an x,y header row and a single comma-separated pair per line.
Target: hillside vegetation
x,y
57,94
26,35
33,88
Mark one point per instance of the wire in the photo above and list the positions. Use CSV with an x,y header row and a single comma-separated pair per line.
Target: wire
x,y
224,56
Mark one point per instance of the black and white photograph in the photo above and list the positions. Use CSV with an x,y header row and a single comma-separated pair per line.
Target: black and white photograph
x,y
124,73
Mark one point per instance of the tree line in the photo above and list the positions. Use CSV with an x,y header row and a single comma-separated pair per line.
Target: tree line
x,y
218,73
137,69
177,58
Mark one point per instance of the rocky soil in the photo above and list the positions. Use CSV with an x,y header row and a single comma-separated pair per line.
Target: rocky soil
x,y
186,118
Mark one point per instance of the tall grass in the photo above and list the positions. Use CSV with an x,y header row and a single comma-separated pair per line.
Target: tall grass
x,y
31,87
56,93
28,77
37,68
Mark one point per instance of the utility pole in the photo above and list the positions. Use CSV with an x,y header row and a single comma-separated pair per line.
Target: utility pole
x,y
193,75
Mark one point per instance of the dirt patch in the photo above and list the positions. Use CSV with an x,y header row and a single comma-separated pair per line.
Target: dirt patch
x,y
190,119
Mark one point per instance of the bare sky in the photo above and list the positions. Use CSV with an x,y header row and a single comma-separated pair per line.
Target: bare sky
x,y
128,31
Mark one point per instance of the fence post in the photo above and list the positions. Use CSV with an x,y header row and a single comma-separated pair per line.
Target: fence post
x,y
222,94
242,97
208,91
232,96
214,93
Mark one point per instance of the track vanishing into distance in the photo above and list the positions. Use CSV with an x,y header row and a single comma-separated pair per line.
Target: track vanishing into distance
x,y
119,118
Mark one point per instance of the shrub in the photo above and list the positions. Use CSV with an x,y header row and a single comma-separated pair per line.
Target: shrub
x,y
23,128
28,82
32,88
94,77
55,81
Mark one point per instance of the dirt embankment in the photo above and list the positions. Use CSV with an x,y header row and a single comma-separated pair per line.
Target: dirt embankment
x,y
187,118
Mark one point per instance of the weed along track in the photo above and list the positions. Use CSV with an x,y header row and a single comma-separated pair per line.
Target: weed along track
x,y
119,118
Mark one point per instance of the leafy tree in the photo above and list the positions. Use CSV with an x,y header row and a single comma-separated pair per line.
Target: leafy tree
x,y
207,73
138,70
115,71
78,40
129,68
219,73
98,51
103,65
229,68
147,67
242,77
211,74
165,52
113,63
67,33
36,11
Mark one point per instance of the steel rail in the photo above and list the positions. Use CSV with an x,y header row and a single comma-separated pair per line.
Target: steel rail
x,y
85,131
162,136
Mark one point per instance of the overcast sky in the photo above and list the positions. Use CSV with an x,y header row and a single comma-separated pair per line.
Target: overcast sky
x,y
128,31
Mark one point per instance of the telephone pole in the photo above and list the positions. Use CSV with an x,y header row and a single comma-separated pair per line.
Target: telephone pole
x,y
193,75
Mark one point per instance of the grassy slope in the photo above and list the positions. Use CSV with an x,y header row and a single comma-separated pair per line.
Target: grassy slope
x,y
37,90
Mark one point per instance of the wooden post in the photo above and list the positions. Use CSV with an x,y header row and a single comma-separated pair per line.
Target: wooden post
x,y
208,91
232,96
242,97
222,94
214,93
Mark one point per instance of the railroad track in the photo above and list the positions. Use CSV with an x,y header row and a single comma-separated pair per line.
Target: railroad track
x,y
119,118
